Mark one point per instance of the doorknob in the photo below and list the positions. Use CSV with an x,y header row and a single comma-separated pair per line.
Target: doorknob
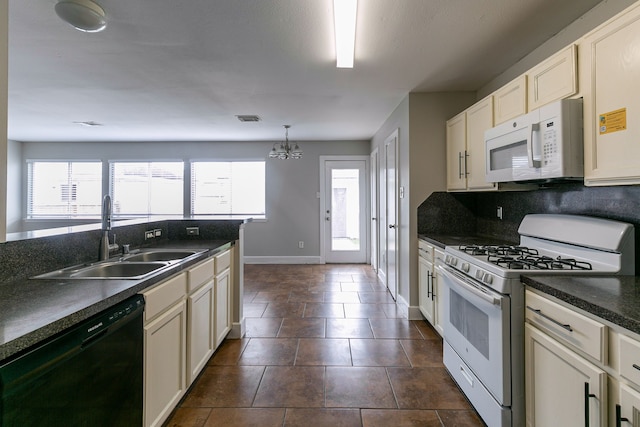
x,y
392,226
374,219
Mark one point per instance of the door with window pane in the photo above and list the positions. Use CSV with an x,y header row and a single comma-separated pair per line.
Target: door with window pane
x,y
345,211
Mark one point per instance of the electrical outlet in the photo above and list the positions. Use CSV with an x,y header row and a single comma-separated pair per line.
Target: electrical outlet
x,y
193,231
148,235
157,232
499,212
301,244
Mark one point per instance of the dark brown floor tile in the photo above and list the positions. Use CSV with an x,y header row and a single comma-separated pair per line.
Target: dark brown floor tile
x,y
224,386
262,327
426,330
317,309
229,352
342,297
303,417
426,388
325,287
269,351
423,353
246,417
254,309
349,328
248,296
364,311
393,311
460,418
345,277
291,386
358,387
356,287
312,327
369,352
306,296
323,352
375,298
394,328
400,418
284,309
271,296
188,417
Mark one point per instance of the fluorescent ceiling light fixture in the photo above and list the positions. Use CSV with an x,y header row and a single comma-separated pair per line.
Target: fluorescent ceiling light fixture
x,y
344,18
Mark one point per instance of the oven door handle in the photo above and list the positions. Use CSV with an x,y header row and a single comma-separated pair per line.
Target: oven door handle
x,y
468,285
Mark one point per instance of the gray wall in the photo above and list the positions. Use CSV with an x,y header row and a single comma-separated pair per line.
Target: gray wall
x,y
292,185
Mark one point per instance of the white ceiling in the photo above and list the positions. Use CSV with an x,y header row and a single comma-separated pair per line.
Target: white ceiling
x,y
181,70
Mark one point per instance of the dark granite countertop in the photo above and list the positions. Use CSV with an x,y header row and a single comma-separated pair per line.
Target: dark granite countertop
x,y
613,298
36,309
442,240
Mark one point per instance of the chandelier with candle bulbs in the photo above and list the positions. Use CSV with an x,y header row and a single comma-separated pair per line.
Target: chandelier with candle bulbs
x,y
284,150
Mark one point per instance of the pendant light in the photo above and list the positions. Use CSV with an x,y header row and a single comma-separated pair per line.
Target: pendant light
x,y
284,150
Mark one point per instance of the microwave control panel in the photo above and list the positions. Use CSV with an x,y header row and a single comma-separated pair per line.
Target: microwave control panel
x,y
549,147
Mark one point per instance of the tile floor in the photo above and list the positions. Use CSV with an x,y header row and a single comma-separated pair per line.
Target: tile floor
x,y
325,346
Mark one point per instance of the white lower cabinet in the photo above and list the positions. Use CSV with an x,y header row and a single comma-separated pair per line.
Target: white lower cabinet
x,y
562,388
222,306
425,290
200,340
164,363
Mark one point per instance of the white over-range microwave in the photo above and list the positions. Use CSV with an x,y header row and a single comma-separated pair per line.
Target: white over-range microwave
x,y
543,144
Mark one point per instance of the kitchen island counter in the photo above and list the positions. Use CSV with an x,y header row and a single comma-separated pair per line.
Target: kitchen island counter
x,y
612,298
34,310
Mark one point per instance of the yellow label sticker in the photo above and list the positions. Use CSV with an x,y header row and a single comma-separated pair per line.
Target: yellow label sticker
x,y
613,121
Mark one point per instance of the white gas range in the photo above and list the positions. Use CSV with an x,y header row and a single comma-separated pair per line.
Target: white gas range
x,y
484,301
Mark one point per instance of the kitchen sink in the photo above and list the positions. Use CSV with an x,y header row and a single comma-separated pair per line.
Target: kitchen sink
x,y
149,255
107,270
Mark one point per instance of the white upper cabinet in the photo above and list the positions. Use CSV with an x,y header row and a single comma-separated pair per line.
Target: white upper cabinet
x,y
456,147
610,65
553,79
510,100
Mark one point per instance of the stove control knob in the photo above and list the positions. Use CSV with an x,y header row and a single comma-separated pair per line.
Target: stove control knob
x,y
447,259
488,279
454,261
479,274
465,267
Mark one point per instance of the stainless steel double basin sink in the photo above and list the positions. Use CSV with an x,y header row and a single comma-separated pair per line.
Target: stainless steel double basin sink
x,y
134,266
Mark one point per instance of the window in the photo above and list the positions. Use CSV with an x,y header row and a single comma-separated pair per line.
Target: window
x,y
228,188
64,189
147,188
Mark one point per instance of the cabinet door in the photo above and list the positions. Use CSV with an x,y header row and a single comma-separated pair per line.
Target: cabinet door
x,y
165,364
629,406
479,119
425,289
223,306
510,100
438,297
456,151
555,379
200,339
612,111
553,79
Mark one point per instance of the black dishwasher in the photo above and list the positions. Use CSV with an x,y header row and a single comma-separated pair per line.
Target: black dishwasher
x,y
89,375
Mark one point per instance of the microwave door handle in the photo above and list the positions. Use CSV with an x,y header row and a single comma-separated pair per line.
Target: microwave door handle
x,y
533,148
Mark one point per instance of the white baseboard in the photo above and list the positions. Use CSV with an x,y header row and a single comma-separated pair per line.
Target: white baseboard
x,y
402,305
414,313
283,260
238,329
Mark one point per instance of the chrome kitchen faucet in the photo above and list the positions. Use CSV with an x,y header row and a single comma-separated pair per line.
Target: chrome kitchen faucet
x,y
105,246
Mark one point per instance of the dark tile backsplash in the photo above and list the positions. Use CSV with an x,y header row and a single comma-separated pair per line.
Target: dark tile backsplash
x,y
476,211
26,258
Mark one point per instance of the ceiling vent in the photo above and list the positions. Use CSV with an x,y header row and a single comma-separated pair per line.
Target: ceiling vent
x,y
248,118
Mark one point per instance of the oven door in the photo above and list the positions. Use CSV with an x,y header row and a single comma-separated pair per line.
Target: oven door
x,y
477,326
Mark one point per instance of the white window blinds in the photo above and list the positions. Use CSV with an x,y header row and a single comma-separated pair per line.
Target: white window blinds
x,y
147,188
64,189
228,188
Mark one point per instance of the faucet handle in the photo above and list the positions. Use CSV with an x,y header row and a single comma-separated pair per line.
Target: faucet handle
x,y
125,249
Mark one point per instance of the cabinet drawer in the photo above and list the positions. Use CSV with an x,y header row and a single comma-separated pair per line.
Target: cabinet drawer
x,y
162,296
630,359
567,326
223,261
425,250
200,274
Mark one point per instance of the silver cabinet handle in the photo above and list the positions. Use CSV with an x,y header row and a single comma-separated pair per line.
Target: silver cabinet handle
x,y
541,314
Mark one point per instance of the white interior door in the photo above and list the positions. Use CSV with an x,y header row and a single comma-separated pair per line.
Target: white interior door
x,y
345,211
374,209
391,223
